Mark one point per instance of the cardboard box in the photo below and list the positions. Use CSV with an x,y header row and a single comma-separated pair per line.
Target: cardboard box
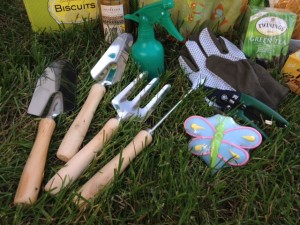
x,y
291,72
48,15
266,32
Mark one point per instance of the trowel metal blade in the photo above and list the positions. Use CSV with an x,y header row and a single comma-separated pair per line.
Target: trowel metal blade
x,y
59,76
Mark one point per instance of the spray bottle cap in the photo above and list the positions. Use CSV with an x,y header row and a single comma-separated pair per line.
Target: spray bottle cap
x,y
156,12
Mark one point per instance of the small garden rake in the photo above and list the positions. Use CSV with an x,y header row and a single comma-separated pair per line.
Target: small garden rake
x,y
125,109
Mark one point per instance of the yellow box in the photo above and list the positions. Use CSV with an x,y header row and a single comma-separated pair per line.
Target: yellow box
x,y
48,15
291,72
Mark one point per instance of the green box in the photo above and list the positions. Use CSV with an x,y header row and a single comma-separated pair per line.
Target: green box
x,y
267,32
49,15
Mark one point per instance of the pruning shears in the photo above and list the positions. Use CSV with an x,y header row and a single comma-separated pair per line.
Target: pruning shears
x,y
245,107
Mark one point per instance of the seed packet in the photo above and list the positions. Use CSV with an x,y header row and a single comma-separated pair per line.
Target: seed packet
x,y
220,15
293,6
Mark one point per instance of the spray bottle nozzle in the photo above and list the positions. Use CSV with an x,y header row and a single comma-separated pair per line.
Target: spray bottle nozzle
x,y
168,4
156,12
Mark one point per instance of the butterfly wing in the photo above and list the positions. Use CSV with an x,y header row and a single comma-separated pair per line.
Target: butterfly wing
x,y
229,153
234,155
244,137
199,126
200,146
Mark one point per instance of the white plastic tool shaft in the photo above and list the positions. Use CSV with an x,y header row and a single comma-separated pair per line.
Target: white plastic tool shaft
x,y
117,165
80,161
70,145
33,172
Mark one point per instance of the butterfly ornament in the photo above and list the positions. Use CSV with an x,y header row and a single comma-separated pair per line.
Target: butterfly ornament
x,y
220,141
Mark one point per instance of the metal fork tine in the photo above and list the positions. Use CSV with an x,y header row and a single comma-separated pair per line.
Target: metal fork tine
x,y
126,108
148,109
143,93
129,88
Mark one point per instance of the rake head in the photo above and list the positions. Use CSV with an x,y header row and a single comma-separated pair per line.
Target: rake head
x,y
128,108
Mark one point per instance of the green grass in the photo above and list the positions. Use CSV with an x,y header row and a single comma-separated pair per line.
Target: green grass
x,y
165,184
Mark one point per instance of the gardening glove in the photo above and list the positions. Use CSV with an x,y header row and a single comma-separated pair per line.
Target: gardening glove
x,y
192,60
218,57
250,78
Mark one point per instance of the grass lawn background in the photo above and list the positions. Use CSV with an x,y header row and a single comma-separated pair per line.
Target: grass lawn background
x,y
166,184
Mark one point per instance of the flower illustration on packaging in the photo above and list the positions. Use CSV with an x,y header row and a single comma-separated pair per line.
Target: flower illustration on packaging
x,y
196,11
219,15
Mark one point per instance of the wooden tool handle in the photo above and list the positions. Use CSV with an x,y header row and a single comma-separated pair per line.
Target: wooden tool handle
x,y
73,139
107,173
80,161
33,172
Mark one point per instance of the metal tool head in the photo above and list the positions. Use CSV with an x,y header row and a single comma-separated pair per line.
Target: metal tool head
x,y
128,108
109,69
57,85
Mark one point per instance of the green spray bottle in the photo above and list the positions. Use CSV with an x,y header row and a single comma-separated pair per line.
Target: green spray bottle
x,y
148,52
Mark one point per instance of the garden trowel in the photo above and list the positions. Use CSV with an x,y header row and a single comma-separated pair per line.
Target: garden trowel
x,y
53,95
107,71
